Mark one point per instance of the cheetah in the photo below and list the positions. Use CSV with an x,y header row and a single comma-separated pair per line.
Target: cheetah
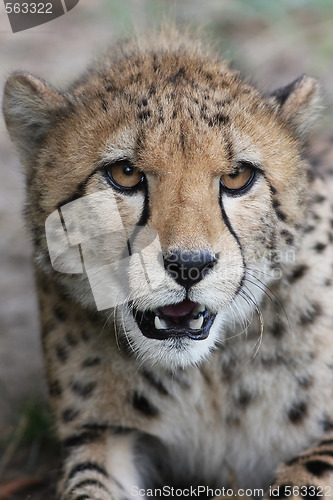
x,y
209,355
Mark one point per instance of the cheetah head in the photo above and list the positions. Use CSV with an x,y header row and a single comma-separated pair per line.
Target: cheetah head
x,y
205,178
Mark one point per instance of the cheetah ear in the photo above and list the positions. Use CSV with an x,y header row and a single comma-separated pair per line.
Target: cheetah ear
x,y
299,104
30,106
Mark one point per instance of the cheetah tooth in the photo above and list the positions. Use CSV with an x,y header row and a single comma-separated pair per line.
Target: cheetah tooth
x,y
199,309
160,324
196,324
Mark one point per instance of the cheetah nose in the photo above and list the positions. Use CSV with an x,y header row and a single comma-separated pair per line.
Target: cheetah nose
x,y
188,268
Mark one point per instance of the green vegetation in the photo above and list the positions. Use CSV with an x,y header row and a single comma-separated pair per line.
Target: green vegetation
x,y
30,435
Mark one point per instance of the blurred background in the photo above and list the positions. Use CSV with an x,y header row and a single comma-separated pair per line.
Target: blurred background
x,y
271,41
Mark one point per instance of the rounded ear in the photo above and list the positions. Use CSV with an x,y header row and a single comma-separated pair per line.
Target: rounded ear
x,y
299,104
30,107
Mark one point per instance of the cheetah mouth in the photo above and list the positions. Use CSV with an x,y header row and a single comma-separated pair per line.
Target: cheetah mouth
x,y
185,319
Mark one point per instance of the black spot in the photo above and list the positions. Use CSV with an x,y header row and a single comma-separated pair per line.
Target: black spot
x,y
62,353
84,390
327,425
280,215
221,119
318,467
69,415
85,335
144,102
311,315
152,90
85,466
83,497
60,313
328,282
319,198
71,340
91,361
298,272
110,87
308,229
182,139
305,381
277,329
189,111
144,115
157,384
141,404
55,388
209,76
244,398
177,76
298,412
228,368
289,238
319,247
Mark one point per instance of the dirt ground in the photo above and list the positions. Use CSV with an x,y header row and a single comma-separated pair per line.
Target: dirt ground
x,y
273,42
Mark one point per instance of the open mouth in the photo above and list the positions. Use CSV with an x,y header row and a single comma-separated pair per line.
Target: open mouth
x,y
185,319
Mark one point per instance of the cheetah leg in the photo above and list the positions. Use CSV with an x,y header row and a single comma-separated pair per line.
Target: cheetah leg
x,y
309,475
101,469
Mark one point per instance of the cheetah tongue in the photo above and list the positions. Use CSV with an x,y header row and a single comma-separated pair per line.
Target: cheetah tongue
x,y
178,311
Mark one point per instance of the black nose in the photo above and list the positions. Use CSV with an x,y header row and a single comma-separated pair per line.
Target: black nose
x,y
188,268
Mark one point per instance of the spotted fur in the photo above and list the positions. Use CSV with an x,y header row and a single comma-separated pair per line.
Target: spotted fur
x,y
257,392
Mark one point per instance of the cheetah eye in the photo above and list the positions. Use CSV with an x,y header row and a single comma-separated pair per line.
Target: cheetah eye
x,y
239,179
123,175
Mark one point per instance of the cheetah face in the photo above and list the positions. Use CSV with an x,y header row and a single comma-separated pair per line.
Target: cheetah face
x,y
185,286
185,269
199,176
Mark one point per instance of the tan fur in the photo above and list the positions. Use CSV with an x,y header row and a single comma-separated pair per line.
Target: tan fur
x,y
251,395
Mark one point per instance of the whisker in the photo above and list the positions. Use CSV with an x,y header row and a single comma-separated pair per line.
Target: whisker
x,y
261,319
276,301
